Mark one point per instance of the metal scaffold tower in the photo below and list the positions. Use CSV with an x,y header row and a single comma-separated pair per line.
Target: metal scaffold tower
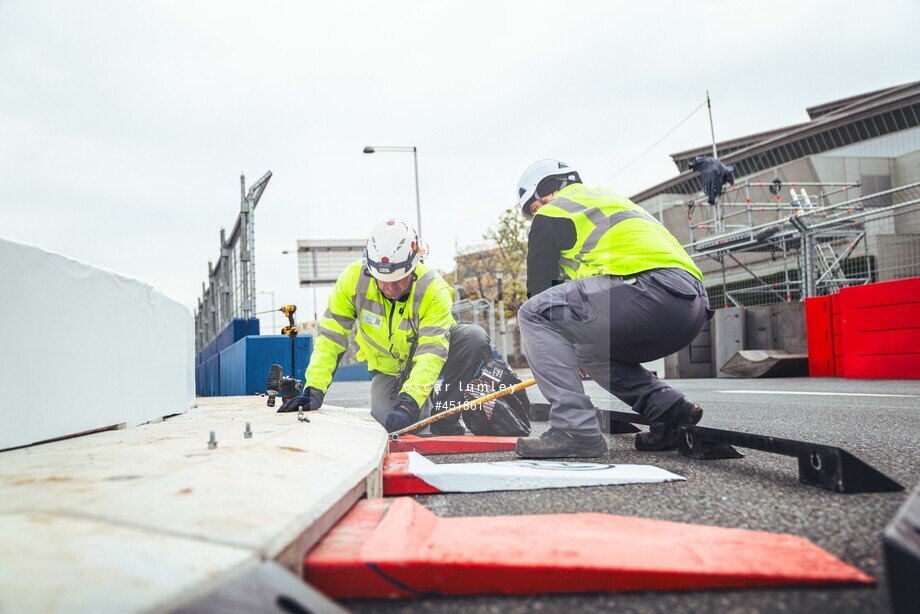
x,y
816,242
230,291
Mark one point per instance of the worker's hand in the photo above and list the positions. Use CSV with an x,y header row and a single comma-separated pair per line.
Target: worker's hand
x,y
404,413
310,400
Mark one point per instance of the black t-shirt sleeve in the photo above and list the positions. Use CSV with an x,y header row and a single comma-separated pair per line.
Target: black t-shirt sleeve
x,y
549,236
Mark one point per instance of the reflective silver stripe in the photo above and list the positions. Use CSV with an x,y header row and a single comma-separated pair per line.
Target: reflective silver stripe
x,y
432,348
370,305
572,264
602,224
343,321
364,282
373,343
432,331
333,336
568,205
360,300
404,324
421,287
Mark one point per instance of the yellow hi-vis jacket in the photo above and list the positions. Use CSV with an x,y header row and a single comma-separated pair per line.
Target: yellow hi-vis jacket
x,y
384,329
614,235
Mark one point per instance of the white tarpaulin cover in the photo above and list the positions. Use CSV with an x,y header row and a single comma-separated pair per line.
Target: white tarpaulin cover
x,y
531,474
82,348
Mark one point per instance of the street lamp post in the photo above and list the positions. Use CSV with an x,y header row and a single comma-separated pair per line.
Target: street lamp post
x,y
418,203
501,315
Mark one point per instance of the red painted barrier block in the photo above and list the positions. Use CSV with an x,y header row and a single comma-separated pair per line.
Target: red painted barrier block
x,y
396,548
452,445
837,332
881,329
398,480
820,337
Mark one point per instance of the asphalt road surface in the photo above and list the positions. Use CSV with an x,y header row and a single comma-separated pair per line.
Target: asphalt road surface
x,y
876,420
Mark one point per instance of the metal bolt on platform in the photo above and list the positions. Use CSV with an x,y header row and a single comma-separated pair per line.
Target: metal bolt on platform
x,y
302,417
212,442
248,432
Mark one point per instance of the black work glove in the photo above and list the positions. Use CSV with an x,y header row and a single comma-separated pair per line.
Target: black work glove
x,y
404,413
310,400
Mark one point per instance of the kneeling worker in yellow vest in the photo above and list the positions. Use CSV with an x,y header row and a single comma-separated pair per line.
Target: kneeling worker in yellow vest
x,y
400,312
632,295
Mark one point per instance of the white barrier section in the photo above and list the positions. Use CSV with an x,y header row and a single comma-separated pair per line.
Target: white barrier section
x,y
531,474
82,348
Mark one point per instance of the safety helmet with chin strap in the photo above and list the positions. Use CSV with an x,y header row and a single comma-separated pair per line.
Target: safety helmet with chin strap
x,y
393,251
537,172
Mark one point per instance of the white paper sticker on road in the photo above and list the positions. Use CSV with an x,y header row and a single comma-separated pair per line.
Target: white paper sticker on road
x,y
532,474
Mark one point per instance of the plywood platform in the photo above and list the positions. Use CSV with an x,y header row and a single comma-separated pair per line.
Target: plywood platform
x,y
149,517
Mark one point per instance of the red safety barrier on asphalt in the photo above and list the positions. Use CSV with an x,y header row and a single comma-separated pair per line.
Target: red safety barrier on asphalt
x,y
452,445
820,337
881,329
396,548
869,331
398,480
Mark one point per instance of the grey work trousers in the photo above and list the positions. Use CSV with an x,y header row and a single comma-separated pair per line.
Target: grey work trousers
x,y
469,347
608,326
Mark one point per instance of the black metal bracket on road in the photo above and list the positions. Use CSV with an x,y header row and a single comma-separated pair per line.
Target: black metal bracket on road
x,y
823,466
266,588
619,422
902,556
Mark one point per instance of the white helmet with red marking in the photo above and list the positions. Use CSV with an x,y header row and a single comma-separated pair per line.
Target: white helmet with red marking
x,y
393,251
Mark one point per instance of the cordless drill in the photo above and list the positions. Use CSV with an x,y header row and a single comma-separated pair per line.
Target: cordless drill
x,y
278,383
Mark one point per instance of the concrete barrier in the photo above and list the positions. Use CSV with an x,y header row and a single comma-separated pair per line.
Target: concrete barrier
x,y
109,350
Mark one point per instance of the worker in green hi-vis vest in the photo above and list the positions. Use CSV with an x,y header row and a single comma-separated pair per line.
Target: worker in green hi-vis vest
x,y
399,311
631,294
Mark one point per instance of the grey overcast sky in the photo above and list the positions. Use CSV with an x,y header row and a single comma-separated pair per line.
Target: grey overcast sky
x,y
124,126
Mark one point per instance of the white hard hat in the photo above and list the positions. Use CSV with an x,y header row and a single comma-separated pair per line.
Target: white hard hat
x,y
393,251
537,172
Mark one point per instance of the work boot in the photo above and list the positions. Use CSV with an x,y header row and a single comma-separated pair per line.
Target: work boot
x,y
556,443
447,427
662,433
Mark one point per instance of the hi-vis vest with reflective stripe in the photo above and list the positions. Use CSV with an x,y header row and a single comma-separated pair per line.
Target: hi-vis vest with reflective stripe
x,y
614,235
385,329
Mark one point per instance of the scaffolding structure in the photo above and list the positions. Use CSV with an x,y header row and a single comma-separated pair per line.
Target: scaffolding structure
x,y
758,251
230,291
736,202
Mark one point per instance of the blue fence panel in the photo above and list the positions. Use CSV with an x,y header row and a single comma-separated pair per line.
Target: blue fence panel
x,y
210,377
236,330
199,380
244,365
